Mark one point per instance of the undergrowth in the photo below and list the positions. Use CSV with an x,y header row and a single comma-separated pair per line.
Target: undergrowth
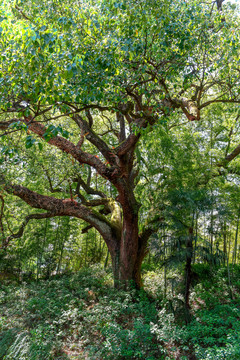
x,y
83,317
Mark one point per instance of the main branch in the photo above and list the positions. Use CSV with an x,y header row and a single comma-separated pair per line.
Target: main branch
x,y
66,207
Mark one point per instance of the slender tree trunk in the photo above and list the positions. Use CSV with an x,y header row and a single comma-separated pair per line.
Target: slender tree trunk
x,y
188,274
100,249
64,240
106,260
234,257
39,261
229,246
165,265
95,247
195,240
165,281
229,281
211,235
225,242
60,257
86,250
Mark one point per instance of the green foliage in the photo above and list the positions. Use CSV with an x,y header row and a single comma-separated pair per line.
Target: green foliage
x,y
84,316
61,57
202,272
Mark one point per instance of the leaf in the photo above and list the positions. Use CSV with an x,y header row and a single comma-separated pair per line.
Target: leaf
x,y
29,141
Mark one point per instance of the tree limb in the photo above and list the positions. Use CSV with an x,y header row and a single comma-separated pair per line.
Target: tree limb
x,y
65,207
120,119
230,157
226,101
69,148
88,189
94,139
1,215
50,182
22,13
128,144
17,235
4,125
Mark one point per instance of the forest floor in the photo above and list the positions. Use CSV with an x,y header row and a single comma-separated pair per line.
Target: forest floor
x,y
81,316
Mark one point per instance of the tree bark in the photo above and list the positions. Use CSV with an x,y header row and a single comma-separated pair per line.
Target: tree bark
x,y
234,257
225,242
188,274
129,255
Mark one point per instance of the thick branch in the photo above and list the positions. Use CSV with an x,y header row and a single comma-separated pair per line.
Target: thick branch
x,y
128,144
94,139
66,207
227,101
17,235
230,157
151,228
223,164
120,119
4,125
219,4
69,148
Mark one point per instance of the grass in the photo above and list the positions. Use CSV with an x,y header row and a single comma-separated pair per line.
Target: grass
x,y
83,317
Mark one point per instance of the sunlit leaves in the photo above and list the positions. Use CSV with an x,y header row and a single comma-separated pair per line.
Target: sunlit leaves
x,y
52,131
30,141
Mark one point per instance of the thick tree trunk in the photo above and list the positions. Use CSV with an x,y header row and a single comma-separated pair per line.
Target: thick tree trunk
x,y
126,270
127,258
128,248
128,255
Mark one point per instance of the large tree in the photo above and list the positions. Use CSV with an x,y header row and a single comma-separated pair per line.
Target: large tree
x,y
91,79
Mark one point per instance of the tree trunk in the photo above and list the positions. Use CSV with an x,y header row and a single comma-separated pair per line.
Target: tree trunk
x,y
225,242
106,260
234,257
195,240
129,249
128,256
188,274
211,235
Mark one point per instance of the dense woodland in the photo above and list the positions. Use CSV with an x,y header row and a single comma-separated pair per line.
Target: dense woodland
x,y
119,179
